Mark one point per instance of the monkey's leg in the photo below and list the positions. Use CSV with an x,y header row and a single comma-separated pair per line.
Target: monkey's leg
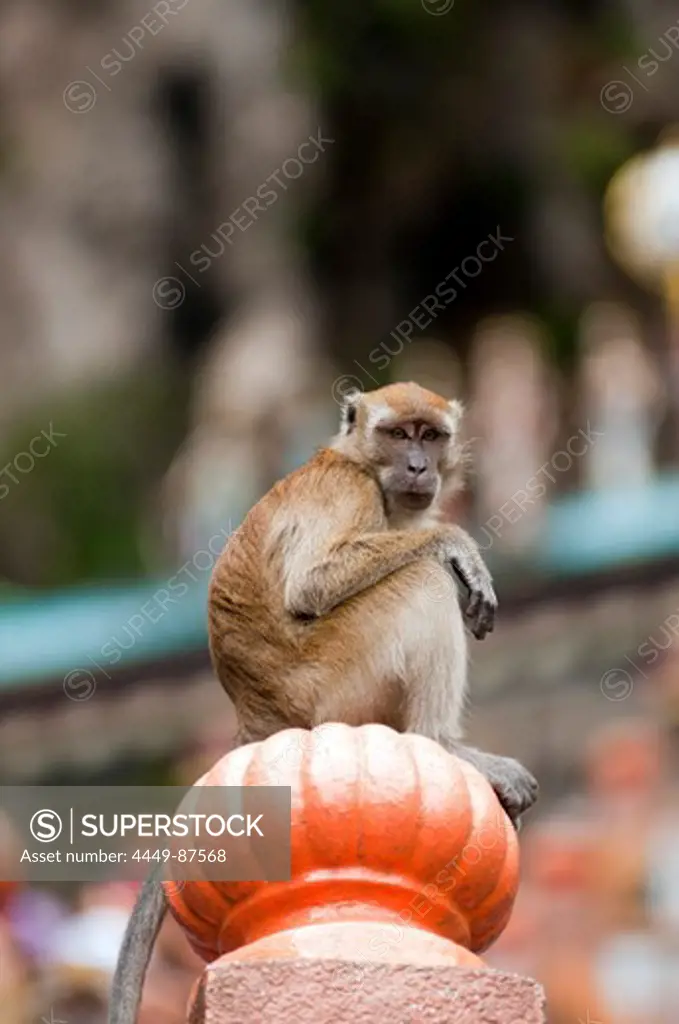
x,y
393,654
398,653
382,655
135,952
437,699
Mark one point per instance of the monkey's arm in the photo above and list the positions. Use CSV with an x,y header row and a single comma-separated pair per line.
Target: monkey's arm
x,y
135,952
318,582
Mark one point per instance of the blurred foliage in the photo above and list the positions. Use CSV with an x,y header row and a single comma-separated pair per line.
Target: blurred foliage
x,y
375,50
426,111
593,151
80,516
427,162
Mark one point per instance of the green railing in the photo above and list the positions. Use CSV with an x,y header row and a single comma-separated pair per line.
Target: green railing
x,y
109,627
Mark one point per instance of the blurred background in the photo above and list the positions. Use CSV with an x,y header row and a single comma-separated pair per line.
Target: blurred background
x,y
219,216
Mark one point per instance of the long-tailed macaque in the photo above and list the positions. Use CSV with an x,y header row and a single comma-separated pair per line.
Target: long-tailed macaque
x,y
335,602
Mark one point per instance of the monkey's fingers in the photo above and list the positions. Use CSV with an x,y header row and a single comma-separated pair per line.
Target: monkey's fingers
x,y
480,611
481,604
478,628
515,787
486,618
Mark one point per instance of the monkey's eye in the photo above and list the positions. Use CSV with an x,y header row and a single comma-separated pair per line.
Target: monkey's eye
x,y
431,435
398,433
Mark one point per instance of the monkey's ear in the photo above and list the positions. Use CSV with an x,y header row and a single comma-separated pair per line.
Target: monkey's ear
x,y
456,410
350,404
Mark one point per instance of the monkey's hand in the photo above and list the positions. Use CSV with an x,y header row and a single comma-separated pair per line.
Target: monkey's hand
x,y
464,559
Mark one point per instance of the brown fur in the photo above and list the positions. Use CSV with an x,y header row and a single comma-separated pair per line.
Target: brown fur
x,y
305,599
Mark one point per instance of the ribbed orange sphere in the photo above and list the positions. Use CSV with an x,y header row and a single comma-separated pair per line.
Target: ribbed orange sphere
x,y
395,843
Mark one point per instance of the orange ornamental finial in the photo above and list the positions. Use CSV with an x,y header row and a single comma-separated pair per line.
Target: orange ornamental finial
x,y
400,852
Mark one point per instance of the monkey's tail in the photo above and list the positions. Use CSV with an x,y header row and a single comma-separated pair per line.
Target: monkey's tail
x,y
135,952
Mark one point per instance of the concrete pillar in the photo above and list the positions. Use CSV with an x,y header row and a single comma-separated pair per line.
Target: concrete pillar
x,y
404,869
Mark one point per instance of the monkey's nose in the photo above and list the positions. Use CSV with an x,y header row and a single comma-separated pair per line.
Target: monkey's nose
x,y
415,469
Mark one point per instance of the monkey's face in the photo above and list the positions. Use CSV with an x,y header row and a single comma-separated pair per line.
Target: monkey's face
x,y
409,456
408,436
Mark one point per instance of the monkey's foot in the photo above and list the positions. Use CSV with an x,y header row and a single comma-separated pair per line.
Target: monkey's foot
x,y
515,787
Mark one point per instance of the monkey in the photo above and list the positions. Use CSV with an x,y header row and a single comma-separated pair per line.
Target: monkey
x,y
336,601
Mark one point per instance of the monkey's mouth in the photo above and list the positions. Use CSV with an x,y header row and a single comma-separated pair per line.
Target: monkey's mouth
x,y
415,499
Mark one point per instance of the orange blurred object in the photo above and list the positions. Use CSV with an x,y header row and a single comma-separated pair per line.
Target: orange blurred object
x,y
625,757
559,855
6,891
